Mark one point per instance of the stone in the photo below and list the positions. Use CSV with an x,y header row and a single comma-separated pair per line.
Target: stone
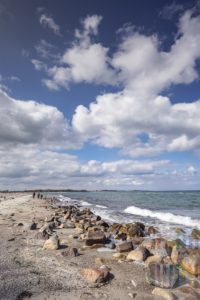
x,y
49,219
115,227
178,253
162,275
95,237
69,225
103,224
124,247
139,254
52,243
71,252
196,234
103,261
31,226
188,291
157,246
95,275
165,294
151,230
166,260
119,255
191,264
42,235
153,259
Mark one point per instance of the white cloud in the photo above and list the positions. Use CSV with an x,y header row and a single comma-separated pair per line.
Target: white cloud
x,y
48,21
33,123
28,166
38,65
121,119
192,170
84,61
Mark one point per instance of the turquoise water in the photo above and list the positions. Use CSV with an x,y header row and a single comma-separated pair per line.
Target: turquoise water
x,y
166,210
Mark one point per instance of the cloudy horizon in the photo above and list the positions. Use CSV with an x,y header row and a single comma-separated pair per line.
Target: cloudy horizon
x,y
92,100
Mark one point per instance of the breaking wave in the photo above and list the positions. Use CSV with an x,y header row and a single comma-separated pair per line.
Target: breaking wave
x,y
166,217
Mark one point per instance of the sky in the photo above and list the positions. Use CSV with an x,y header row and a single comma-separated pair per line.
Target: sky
x,y
100,94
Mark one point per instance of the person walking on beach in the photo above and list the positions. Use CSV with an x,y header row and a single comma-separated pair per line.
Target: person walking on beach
x,y
33,194
38,195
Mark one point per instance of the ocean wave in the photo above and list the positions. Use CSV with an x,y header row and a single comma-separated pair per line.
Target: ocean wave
x,y
85,203
166,217
101,206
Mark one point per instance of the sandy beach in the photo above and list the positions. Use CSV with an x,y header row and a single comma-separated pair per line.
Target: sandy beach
x,y
27,270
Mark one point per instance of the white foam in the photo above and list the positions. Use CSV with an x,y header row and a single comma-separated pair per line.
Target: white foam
x,y
101,206
85,203
166,217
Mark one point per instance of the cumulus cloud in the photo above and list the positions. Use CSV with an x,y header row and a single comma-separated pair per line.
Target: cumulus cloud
x,y
121,119
85,61
33,123
48,21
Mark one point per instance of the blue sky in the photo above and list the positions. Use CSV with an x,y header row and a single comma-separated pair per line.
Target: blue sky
x,y
100,94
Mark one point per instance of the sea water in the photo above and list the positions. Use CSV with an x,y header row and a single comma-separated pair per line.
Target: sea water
x,y
164,210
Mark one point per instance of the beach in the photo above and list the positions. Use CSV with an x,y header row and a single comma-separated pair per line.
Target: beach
x,y
65,268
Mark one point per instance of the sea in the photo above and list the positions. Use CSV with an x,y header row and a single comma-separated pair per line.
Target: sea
x,y
163,210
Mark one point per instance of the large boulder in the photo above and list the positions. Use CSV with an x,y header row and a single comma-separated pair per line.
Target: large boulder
x,y
162,275
165,294
153,259
124,247
95,237
157,246
139,254
191,264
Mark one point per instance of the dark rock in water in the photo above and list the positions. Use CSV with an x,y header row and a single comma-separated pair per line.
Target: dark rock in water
x,y
71,252
191,264
196,234
124,247
162,275
95,237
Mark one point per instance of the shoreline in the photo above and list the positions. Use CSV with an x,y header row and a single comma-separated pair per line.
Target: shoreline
x,y
29,270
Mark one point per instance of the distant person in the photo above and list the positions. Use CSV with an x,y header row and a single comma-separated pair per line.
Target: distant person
x,y
38,195
41,196
33,194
